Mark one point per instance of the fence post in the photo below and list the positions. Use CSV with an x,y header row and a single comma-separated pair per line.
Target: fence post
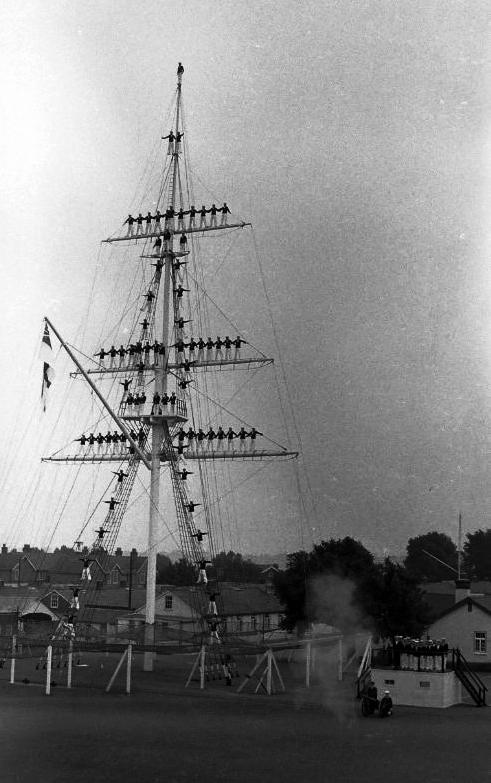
x,y
202,655
70,664
128,668
269,673
307,664
48,669
12,660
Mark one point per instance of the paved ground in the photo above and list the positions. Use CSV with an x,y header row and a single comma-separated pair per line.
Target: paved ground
x,y
164,733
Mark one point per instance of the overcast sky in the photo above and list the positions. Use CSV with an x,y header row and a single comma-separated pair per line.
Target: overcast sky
x,y
356,138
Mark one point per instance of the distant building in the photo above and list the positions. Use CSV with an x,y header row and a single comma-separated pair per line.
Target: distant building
x,y
23,611
63,568
250,611
463,618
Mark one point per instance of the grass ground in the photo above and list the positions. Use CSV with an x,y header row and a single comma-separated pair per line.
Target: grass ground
x,y
165,733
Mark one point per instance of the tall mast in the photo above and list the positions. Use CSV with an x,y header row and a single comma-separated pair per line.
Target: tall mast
x,y
159,426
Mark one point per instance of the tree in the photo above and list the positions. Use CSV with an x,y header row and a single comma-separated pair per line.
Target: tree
x,y
232,567
391,598
344,557
477,554
423,567
320,586
338,583
179,573
291,586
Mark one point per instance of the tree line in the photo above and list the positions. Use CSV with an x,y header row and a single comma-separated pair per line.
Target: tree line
x,y
228,567
340,584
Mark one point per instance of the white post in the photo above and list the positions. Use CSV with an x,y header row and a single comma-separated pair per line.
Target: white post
x,y
253,670
70,664
202,668
49,658
340,659
12,660
115,673
128,668
307,664
280,678
269,673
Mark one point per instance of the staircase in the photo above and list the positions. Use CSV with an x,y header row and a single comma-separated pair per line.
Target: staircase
x,y
469,679
365,669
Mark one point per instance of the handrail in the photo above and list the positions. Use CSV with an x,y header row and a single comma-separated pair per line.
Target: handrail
x,y
367,657
465,665
470,679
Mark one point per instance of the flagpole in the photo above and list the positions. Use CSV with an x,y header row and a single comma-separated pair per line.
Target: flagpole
x,y
94,388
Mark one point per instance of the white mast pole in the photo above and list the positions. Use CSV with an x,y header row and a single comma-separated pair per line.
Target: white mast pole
x,y
160,431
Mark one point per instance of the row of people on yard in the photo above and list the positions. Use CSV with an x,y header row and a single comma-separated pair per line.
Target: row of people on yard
x,y
202,350
220,435
148,353
152,224
114,442
132,354
117,442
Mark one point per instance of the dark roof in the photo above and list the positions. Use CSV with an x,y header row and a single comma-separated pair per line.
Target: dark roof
x,y
236,598
10,604
448,587
9,560
117,597
65,567
439,603
483,603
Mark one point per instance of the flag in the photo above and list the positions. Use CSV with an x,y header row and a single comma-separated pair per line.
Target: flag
x,y
46,354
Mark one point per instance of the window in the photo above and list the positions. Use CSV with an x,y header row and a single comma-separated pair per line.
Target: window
x,y
141,578
239,624
253,622
168,602
480,642
115,576
54,601
267,622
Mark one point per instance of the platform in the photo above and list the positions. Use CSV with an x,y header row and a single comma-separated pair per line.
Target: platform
x,y
419,689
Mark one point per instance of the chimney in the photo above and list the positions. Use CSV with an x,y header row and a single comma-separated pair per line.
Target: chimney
x,y
119,552
134,552
26,548
462,589
5,549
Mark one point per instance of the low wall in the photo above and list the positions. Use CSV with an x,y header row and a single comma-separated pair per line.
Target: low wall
x,y
419,689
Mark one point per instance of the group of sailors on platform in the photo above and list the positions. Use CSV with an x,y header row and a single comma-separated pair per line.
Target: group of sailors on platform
x,y
111,442
420,655
221,436
152,224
